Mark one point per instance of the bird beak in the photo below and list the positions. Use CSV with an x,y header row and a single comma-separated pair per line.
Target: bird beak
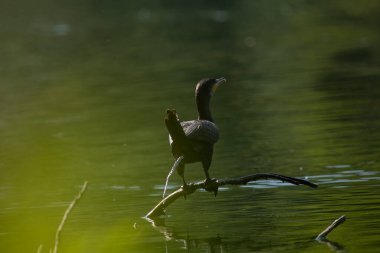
x,y
219,81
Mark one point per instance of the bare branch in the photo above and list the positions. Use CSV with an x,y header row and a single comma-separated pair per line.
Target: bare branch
x,y
159,209
255,177
322,236
64,218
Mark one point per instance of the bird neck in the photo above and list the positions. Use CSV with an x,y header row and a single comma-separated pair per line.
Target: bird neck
x,y
203,106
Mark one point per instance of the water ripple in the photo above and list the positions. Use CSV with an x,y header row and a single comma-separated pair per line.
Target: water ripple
x,y
346,176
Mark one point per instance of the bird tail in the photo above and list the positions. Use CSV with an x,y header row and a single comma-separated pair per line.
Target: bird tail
x,y
174,127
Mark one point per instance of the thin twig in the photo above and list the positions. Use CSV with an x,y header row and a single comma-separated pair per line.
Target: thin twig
x,y
64,218
39,250
159,209
322,236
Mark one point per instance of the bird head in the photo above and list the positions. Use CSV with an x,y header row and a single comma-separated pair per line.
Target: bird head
x,y
203,92
208,86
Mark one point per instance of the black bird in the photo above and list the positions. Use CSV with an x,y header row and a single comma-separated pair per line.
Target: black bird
x,y
193,141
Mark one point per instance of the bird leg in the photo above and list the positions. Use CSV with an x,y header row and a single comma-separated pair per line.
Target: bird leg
x,y
181,172
211,185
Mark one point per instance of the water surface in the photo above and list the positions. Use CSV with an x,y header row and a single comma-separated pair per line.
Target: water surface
x,y
83,92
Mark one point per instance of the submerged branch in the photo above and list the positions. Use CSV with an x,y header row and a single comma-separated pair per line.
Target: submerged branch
x,y
322,236
159,209
64,218
39,250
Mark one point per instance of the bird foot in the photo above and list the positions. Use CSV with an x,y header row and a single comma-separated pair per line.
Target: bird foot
x,y
186,189
211,185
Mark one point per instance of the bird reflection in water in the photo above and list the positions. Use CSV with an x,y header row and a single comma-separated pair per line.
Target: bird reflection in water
x,y
209,244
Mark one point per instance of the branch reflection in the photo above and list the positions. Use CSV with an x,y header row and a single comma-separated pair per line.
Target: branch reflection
x,y
210,244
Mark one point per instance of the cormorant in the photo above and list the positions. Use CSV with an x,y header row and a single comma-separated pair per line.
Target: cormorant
x,y
193,141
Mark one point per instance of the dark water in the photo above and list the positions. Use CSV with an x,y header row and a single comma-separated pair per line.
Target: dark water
x,y
83,91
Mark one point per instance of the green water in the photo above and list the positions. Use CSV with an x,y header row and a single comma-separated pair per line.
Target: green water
x,y
84,86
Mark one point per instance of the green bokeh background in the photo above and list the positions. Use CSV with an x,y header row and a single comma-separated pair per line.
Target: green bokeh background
x,y
83,91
